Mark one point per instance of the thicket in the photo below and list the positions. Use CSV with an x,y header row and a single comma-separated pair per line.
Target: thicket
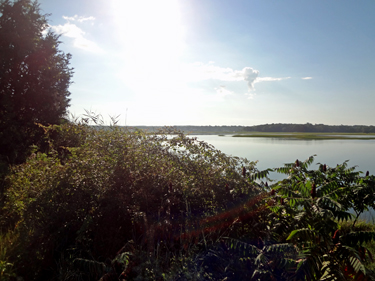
x,y
125,205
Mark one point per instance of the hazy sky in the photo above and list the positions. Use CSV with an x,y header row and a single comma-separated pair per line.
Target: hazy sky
x,y
216,62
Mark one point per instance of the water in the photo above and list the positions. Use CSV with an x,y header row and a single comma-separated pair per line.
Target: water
x,y
275,152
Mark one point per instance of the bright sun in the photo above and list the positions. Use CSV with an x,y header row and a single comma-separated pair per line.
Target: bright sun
x,y
150,30
152,38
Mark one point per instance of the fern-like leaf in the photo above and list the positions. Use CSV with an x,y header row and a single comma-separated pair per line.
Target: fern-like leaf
x,y
304,233
353,238
260,174
91,267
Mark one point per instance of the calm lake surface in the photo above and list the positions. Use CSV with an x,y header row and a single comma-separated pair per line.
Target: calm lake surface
x,y
274,152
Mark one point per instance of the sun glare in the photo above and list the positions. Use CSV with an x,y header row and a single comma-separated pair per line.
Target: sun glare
x,y
150,31
152,39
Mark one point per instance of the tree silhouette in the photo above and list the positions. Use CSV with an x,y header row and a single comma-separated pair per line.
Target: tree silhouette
x,y
34,78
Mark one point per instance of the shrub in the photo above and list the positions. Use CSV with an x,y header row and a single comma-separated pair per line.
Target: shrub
x,y
123,204
95,190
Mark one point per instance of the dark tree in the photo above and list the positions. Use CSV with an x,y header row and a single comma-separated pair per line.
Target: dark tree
x,y
34,78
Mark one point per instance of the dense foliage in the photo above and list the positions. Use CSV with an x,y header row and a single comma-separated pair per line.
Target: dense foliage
x,y
34,79
125,205
96,190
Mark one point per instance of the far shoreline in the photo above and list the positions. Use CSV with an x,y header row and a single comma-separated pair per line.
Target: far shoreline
x,y
308,136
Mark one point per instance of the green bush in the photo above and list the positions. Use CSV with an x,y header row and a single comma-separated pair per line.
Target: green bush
x,y
114,203
95,190
310,207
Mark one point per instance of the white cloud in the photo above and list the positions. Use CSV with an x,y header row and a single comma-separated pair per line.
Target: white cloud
x,y
86,44
306,78
68,30
222,91
73,31
267,79
250,96
199,71
250,75
78,18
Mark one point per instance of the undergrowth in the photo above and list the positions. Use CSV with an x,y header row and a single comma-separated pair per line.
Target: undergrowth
x,y
121,204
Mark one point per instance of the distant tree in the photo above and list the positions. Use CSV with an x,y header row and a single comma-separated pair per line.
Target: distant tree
x,y
34,78
308,127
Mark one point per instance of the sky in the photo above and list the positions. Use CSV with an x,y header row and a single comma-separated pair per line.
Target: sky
x,y
219,62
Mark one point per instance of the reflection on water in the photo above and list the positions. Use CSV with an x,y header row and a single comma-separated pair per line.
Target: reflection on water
x,y
353,136
275,152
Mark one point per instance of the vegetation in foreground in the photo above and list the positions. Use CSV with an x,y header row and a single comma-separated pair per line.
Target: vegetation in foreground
x,y
122,205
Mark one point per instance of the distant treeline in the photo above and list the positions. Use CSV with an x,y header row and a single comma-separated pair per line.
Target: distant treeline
x,y
310,128
198,129
279,127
